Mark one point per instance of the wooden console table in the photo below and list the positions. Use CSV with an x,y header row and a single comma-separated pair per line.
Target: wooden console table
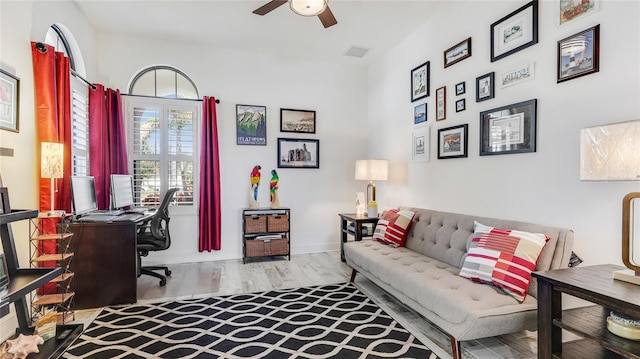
x,y
358,221
594,284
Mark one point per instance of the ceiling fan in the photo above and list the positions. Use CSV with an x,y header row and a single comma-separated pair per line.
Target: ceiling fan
x,y
304,8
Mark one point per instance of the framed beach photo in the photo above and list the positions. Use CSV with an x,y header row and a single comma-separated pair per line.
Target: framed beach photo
x,y
421,144
452,142
485,87
9,101
302,121
298,153
441,103
517,75
515,32
508,129
251,125
570,10
579,54
460,88
457,53
420,82
420,113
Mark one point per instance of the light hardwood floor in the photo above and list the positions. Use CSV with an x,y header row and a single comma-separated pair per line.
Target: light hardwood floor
x,y
196,280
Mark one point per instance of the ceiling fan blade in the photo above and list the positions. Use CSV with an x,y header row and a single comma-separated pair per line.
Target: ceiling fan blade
x,y
327,18
268,7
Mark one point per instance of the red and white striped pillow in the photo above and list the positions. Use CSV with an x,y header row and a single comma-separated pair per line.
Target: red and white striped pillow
x,y
504,258
392,227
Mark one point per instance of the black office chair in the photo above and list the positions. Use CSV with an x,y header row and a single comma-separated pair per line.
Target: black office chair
x,y
154,236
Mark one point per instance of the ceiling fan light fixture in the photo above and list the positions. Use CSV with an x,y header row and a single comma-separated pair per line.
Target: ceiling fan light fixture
x,y
308,7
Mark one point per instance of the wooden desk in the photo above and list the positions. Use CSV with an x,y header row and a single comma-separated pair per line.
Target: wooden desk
x,y
594,284
358,221
104,264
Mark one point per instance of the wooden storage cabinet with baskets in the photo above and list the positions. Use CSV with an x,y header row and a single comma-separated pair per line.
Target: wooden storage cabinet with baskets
x,y
265,233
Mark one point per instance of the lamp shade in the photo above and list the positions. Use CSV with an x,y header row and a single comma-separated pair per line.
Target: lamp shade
x,y
52,155
372,170
308,7
610,152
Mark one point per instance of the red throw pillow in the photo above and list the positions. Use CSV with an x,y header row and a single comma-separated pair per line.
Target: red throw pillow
x,y
393,226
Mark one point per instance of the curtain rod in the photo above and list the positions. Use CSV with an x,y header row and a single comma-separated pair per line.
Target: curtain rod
x,y
74,73
183,99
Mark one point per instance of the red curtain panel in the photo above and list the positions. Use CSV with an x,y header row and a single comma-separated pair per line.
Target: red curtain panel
x,y
210,219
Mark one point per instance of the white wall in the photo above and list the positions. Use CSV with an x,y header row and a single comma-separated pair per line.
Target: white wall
x,y
544,186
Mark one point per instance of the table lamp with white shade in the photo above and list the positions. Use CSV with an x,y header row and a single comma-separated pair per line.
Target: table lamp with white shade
x,y
612,153
372,170
51,164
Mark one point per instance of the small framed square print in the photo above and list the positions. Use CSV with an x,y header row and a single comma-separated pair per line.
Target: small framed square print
x,y
485,85
420,113
452,142
460,105
441,103
460,88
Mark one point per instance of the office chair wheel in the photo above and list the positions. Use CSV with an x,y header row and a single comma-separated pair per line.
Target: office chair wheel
x,y
167,272
163,282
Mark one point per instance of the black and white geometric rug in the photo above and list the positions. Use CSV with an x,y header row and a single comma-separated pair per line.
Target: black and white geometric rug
x,y
330,321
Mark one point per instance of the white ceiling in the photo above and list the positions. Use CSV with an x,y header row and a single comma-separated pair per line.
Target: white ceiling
x,y
373,24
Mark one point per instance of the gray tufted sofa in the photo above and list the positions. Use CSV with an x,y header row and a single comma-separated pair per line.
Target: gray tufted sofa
x,y
424,275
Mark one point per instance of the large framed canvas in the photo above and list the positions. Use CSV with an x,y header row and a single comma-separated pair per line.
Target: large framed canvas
x,y
508,129
9,101
452,142
303,121
251,125
420,82
515,32
421,144
579,54
298,153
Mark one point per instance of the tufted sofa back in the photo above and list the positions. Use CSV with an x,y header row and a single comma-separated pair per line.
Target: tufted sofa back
x,y
445,236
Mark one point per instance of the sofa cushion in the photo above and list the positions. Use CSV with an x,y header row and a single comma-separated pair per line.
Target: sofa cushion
x,y
392,227
503,257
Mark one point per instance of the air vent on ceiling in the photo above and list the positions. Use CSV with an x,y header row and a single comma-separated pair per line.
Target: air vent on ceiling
x,y
355,51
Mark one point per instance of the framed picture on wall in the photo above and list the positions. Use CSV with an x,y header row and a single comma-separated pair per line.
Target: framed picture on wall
x,y
298,153
420,82
420,113
517,75
460,88
421,144
461,105
569,10
441,103
9,101
4,200
485,87
303,121
515,32
251,125
508,129
452,142
457,53
579,54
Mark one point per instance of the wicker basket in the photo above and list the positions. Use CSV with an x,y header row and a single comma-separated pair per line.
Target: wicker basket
x,y
256,223
264,248
278,223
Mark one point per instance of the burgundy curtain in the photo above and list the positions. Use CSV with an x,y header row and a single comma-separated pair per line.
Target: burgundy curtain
x,y
107,143
210,220
51,72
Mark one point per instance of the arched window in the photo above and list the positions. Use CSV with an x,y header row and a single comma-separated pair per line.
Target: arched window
x,y
165,82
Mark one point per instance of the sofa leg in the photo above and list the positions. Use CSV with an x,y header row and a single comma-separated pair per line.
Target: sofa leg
x,y
353,275
455,348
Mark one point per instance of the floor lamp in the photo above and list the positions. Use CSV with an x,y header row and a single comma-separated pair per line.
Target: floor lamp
x,y
612,153
372,170
51,165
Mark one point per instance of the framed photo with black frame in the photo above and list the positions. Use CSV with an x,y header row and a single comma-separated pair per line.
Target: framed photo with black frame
x,y
460,88
461,105
515,32
298,153
303,121
9,101
485,87
508,129
579,54
420,82
452,142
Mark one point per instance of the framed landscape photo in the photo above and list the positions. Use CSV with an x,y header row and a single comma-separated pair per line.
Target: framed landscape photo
x,y
421,144
251,125
508,129
452,142
579,54
517,75
441,103
303,121
515,32
457,53
570,10
485,87
420,113
420,82
461,105
9,101
298,153
460,88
